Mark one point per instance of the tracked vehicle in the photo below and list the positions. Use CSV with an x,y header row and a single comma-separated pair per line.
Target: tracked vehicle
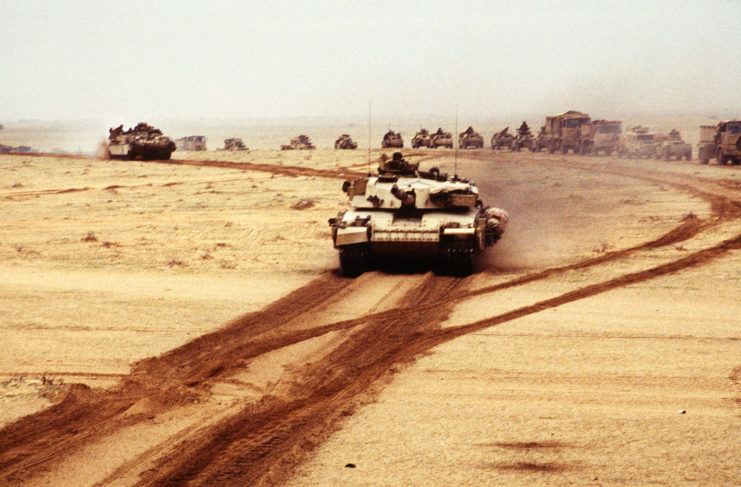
x,y
404,214
142,142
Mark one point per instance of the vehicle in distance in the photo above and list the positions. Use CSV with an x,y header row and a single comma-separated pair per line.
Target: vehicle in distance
x,y
141,142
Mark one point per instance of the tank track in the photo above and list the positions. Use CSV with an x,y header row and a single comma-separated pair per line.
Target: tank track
x,y
458,258
355,259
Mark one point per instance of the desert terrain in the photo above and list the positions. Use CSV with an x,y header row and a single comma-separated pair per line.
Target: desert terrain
x,y
185,323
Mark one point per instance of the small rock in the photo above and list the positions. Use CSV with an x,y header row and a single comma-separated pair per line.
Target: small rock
x,y
682,411
350,465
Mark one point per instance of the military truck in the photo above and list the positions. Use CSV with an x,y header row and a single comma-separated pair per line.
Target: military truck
x,y
470,139
722,141
601,136
344,141
502,139
672,145
441,138
413,215
564,131
141,142
300,142
421,139
191,143
392,139
638,142
234,144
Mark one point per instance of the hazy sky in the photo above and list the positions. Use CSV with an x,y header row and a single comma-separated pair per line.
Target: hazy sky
x,y
132,60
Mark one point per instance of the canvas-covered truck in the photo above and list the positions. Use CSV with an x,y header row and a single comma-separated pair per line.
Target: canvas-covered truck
x,y
564,131
721,141
407,214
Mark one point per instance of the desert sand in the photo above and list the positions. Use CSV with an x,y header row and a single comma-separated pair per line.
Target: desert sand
x,y
185,323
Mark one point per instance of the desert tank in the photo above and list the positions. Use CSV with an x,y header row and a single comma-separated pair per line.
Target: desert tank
x,y
407,214
300,142
344,141
142,142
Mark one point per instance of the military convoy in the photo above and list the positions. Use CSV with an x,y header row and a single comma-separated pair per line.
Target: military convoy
x,y
421,139
405,213
191,143
441,138
301,142
344,141
392,139
470,139
721,141
234,144
142,142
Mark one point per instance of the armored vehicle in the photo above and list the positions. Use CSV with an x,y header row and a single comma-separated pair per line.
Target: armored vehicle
x,y
524,138
722,141
235,144
441,138
344,141
639,142
301,142
404,213
191,143
470,139
673,146
502,139
564,131
392,139
421,139
604,137
142,142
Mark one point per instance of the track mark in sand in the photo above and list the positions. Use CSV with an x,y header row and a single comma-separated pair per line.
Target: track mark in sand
x,y
294,171
263,442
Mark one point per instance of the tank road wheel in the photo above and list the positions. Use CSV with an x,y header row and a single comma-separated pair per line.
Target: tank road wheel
x,y
354,259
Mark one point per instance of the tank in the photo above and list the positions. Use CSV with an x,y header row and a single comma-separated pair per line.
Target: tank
x,y
301,142
344,141
235,144
405,214
142,142
470,139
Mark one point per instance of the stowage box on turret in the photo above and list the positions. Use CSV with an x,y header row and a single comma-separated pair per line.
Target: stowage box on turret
x,y
405,213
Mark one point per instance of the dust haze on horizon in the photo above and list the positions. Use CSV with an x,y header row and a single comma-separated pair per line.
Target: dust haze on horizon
x,y
132,60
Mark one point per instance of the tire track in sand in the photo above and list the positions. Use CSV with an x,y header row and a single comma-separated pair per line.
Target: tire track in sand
x,y
263,442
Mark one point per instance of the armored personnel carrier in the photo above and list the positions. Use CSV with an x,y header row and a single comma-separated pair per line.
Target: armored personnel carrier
x,y
672,145
441,138
344,141
421,139
142,142
502,139
301,142
408,214
470,139
234,144
392,139
524,138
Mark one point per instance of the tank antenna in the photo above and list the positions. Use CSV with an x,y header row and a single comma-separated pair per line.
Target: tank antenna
x,y
455,141
369,138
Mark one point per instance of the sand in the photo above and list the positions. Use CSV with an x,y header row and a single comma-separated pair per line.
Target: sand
x,y
198,306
